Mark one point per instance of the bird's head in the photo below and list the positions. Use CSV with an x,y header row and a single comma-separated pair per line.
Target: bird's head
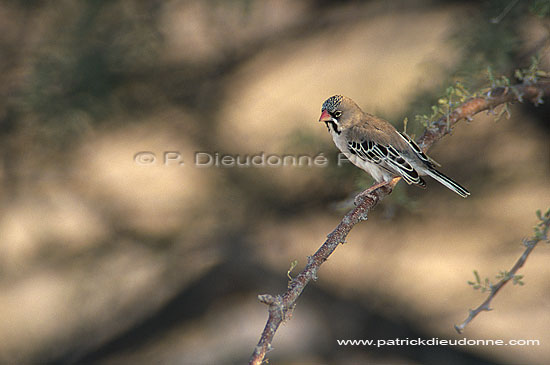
x,y
338,112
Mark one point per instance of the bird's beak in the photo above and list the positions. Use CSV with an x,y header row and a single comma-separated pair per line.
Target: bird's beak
x,y
325,117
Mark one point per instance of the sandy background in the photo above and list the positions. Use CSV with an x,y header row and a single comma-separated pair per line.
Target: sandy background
x,y
106,260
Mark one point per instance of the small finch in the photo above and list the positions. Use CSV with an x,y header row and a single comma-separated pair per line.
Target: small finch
x,y
375,146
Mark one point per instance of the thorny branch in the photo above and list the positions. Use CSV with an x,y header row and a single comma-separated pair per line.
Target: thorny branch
x,y
281,306
530,245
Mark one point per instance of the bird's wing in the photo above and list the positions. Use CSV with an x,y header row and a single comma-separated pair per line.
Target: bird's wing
x,y
379,151
418,151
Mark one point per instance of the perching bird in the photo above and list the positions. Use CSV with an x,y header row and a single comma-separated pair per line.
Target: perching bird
x,y
377,147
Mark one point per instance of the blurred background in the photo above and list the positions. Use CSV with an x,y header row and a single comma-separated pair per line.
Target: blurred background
x,y
111,256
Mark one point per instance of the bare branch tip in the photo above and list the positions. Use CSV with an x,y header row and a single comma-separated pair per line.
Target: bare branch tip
x,y
266,299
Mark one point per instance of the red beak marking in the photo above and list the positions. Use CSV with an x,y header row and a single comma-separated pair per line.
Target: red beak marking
x,y
325,117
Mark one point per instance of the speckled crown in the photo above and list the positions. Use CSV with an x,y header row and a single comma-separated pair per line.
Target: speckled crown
x,y
332,103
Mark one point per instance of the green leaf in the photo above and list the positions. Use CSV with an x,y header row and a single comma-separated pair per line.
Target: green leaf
x,y
517,280
478,280
292,266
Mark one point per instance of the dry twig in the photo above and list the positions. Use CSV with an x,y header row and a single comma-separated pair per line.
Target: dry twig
x,y
530,245
281,306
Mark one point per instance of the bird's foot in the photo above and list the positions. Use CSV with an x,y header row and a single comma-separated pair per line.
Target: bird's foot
x,y
369,193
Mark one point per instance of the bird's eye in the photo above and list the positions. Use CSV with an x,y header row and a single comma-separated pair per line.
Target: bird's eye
x,y
337,114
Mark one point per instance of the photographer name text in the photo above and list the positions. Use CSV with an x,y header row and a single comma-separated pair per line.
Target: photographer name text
x,y
205,159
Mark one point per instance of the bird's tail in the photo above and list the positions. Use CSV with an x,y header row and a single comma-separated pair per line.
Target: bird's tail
x,y
448,182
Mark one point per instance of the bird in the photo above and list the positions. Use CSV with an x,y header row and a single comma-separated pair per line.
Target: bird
x,y
374,145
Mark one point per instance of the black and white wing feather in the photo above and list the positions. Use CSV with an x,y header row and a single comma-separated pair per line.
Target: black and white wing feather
x,y
430,168
418,151
387,157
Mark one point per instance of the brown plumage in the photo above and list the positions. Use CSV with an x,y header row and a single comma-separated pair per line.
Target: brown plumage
x,y
375,146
